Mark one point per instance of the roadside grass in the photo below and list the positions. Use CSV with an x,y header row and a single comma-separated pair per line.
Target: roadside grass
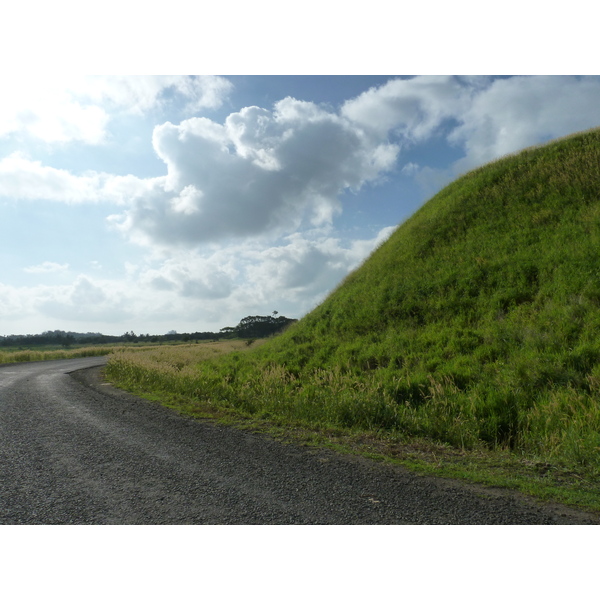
x,y
474,329
42,353
176,381
28,355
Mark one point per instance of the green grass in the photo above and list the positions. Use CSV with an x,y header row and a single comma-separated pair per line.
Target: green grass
x,y
474,328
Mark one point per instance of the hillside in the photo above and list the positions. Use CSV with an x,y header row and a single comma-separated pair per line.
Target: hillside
x,y
477,323
492,289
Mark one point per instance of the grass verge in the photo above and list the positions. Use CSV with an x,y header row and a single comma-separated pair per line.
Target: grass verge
x,y
171,378
27,355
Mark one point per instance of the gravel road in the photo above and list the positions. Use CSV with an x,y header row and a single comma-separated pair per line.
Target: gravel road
x,y
74,450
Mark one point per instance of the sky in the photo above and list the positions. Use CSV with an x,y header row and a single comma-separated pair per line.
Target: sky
x,y
158,203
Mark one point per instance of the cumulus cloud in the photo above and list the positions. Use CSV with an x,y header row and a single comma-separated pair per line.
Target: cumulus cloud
x,y
193,289
274,171
304,269
260,172
66,109
300,270
246,277
193,275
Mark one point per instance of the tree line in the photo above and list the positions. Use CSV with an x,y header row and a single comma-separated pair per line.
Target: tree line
x,y
249,327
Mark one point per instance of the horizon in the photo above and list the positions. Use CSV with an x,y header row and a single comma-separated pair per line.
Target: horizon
x,y
185,203
125,333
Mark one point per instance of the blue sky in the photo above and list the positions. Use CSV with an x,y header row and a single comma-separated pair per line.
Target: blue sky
x,y
152,203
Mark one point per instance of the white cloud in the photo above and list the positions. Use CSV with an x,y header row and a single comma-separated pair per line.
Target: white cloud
x,y
15,303
413,108
487,118
261,172
44,109
512,114
189,274
304,270
22,178
275,171
142,93
188,200
298,272
193,290
84,300
47,267
78,109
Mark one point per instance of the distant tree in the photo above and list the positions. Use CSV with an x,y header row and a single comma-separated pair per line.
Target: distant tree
x,y
67,341
258,326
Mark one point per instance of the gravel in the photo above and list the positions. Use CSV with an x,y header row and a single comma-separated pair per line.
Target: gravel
x,y
75,450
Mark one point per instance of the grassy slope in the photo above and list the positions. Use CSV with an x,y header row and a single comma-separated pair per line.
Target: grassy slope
x,y
477,324
493,286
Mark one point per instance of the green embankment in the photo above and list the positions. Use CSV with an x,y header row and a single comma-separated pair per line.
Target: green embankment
x,y
476,324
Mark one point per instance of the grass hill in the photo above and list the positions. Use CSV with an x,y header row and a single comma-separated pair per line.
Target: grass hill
x,y
476,324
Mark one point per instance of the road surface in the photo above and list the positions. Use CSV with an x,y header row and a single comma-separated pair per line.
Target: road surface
x,y
76,451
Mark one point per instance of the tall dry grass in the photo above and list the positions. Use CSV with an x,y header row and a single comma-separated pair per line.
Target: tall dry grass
x,y
40,355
